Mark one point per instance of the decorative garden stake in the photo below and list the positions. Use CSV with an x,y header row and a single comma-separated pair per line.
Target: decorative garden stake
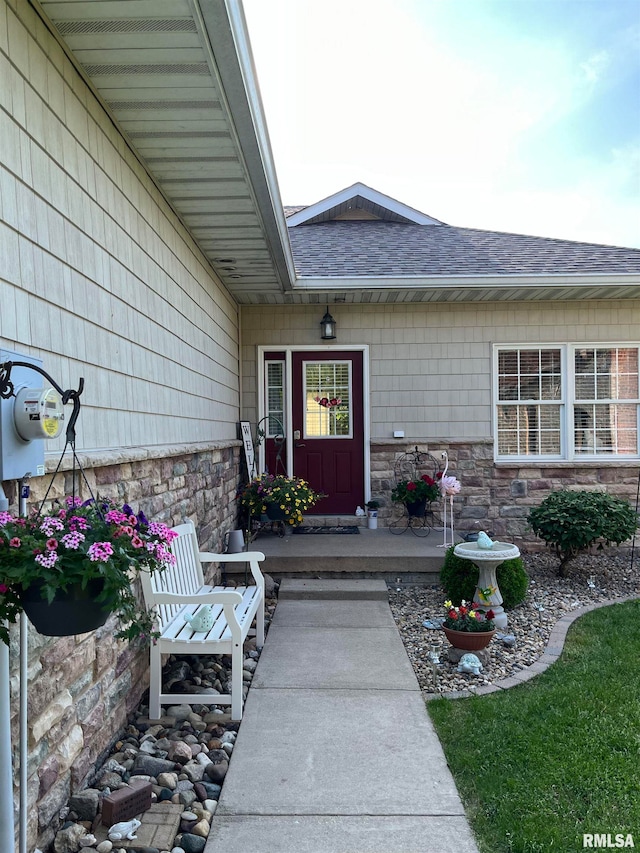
x,y
434,657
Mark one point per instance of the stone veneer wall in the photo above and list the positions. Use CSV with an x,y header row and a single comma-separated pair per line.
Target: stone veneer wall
x,y
497,498
81,689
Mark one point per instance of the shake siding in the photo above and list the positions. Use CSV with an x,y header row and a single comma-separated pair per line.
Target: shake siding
x,y
98,277
430,365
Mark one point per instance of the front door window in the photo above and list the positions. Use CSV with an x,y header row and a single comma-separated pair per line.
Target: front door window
x,y
327,396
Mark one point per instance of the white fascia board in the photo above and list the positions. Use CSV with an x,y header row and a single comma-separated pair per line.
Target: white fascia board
x,y
469,281
231,61
371,195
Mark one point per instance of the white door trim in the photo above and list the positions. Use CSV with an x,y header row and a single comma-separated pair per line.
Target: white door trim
x,y
288,354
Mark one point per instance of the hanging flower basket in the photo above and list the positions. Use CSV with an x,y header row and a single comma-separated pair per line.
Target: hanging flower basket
x,y
76,610
79,557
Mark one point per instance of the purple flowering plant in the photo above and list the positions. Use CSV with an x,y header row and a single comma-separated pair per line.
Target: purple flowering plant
x,y
77,542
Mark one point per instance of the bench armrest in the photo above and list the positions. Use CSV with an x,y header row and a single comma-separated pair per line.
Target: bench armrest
x,y
251,557
226,596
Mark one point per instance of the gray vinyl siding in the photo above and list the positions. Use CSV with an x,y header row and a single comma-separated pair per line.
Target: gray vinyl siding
x,y
98,277
430,364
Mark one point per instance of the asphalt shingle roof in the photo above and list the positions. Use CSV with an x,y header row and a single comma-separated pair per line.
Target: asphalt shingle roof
x,y
378,249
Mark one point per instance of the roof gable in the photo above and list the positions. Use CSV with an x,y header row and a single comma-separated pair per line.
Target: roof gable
x,y
359,202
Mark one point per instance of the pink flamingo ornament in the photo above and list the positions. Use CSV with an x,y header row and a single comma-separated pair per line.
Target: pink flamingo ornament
x,y
449,486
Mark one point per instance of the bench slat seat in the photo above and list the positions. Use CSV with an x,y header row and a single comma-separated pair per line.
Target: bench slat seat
x,y
180,591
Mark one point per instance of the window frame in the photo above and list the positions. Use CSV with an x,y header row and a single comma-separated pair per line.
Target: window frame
x,y
281,362
567,403
312,436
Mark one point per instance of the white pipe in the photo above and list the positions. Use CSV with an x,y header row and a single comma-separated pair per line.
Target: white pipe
x,y
6,771
24,748
6,774
24,801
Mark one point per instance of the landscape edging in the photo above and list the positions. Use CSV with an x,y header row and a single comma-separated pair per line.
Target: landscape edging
x,y
552,652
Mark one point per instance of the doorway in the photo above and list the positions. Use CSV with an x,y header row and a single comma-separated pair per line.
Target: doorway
x,y
316,396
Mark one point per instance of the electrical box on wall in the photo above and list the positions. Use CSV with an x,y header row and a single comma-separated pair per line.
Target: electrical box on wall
x,y
20,455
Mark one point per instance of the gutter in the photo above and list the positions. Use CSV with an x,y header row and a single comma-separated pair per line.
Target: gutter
x,y
444,282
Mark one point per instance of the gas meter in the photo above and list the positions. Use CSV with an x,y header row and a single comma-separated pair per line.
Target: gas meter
x,y
38,413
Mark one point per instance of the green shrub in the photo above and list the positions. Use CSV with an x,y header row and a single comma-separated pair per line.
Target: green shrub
x,y
571,522
460,577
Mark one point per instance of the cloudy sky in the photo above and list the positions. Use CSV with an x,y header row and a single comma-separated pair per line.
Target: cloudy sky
x,y
509,115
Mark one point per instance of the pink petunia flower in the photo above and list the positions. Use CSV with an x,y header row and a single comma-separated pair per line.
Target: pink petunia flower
x,y
48,560
100,552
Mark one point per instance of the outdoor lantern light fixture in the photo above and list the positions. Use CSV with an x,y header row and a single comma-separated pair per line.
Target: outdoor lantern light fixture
x,y
328,327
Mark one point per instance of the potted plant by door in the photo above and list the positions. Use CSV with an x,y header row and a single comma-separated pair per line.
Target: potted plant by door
x,y
468,627
415,494
279,497
70,568
372,514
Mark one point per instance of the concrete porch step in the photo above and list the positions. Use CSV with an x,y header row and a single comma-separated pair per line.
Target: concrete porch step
x,y
353,589
335,521
370,553
351,565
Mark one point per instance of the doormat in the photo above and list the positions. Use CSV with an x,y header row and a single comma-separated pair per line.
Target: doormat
x,y
348,528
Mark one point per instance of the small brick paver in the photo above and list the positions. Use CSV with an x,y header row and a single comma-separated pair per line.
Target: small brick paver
x,y
159,828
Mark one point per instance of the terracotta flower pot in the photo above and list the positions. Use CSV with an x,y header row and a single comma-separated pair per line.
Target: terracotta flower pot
x,y
469,641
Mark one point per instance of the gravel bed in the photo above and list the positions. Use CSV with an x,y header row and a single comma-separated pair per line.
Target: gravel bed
x,y
591,578
185,756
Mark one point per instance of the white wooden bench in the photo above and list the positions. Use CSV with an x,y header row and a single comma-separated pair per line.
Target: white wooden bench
x,y
180,590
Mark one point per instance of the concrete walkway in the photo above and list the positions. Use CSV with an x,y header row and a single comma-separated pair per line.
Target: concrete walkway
x,y
336,753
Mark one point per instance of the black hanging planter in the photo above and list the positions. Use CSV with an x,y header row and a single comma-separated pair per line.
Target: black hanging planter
x,y
74,611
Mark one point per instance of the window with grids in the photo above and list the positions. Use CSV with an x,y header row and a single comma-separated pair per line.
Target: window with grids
x,y
559,402
530,402
275,398
327,399
606,400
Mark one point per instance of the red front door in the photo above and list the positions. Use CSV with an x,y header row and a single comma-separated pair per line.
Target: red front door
x,y
328,427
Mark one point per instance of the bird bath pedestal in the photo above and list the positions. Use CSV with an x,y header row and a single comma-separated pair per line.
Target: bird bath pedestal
x,y
487,594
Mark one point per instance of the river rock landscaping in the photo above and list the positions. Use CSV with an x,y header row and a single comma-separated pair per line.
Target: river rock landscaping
x,y
590,579
185,757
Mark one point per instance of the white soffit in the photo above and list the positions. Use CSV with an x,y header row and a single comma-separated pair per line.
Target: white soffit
x,y
178,77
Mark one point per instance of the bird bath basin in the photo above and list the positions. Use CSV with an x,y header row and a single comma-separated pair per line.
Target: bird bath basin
x,y
487,594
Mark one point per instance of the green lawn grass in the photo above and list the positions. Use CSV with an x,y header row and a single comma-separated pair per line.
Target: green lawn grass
x,y
540,764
